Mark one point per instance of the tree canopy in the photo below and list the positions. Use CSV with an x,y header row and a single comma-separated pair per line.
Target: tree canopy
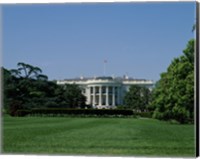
x,y
28,71
26,88
173,96
137,98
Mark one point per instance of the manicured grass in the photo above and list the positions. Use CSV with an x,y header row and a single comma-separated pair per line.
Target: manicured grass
x,y
96,136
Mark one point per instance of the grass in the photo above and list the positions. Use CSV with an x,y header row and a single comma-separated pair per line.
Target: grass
x,y
96,136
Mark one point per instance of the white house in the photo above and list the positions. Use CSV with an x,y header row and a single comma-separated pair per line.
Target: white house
x,y
106,92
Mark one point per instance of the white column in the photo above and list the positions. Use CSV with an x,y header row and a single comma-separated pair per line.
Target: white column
x,y
113,96
100,95
107,96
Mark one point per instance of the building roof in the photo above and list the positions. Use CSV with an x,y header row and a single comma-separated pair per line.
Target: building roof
x,y
104,78
125,78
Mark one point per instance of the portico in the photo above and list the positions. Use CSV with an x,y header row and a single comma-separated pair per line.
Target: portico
x,y
104,95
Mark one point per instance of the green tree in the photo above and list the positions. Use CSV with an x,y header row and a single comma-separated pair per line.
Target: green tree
x,y
21,87
28,71
12,96
173,96
26,88
137,98
73,96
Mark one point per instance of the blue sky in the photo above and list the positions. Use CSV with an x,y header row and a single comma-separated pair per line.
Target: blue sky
x,y
70,40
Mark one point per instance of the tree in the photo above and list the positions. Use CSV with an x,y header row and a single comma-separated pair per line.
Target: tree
x,y
28,71
173,96
12,96
137,98
26,88
21,87
145,98
73,96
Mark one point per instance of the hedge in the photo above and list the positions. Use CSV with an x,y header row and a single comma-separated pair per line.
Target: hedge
x,y
65,111
81,112
98,112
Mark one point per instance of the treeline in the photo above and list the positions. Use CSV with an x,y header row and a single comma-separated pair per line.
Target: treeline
x,y
26,88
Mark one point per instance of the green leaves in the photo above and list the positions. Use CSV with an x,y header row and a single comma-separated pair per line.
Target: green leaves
x,y
26,88
189,51
73,96
137,98
28,71
173,96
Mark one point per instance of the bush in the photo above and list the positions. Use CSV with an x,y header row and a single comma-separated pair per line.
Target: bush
x,y
82,112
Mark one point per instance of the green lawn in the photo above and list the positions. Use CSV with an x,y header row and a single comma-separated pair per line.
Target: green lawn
x,y
96,136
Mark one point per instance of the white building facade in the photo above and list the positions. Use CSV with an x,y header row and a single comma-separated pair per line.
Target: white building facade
x,y
106,92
